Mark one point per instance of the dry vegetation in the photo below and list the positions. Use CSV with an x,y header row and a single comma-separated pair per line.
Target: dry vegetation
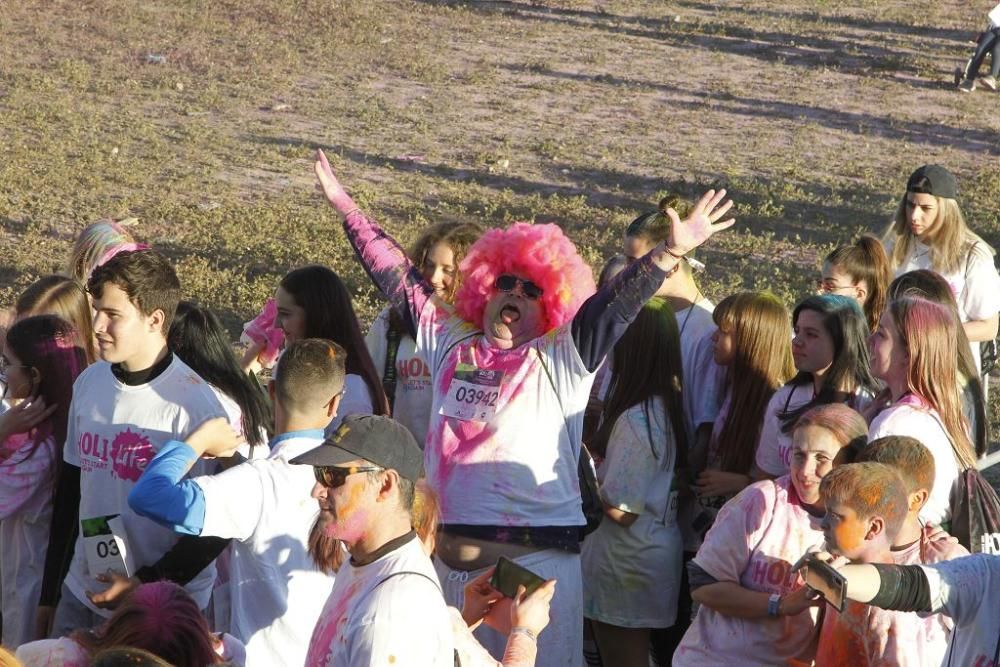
x,y
582,112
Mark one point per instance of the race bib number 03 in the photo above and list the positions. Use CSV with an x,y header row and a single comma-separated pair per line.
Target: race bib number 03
x,y
472,394
106,546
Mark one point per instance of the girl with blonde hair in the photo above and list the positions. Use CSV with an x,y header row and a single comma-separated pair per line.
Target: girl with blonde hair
x,y
930,232
914,351
66,298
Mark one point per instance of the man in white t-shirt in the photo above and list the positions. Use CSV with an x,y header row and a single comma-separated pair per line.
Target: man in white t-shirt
x,y
124,409
276,592
386,607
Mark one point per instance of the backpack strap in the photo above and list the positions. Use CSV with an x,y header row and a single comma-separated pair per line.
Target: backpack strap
x,y
393,336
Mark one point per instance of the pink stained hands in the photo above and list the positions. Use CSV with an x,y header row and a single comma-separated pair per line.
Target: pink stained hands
x,y
24,416
331,187
700,225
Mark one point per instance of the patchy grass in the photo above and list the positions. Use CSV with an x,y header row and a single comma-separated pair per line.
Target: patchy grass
x,y
200,120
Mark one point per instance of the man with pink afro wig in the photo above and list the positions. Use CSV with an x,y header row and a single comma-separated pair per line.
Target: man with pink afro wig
x,y
540,251
512,365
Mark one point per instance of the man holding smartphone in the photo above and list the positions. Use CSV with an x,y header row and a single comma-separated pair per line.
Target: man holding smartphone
x,y
386,605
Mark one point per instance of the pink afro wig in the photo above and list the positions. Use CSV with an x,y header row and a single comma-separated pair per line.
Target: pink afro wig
x,y
540,253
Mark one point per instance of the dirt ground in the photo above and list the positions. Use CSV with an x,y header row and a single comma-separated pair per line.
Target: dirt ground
x,y
199,119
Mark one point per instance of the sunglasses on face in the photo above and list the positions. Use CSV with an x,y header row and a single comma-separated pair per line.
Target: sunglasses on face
x,y
507,283
333,476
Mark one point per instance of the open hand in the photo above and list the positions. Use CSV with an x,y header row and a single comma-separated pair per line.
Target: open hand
x,y
700,225
328,183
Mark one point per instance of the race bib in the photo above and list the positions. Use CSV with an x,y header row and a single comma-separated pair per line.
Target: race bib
x,y
472,394
106,546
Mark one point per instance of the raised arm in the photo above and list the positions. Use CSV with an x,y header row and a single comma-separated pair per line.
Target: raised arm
x,y
603,318
380,255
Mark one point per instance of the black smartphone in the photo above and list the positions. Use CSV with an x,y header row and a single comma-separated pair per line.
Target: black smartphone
x,y
827,581
508,575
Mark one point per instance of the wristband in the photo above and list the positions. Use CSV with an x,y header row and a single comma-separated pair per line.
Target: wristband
x,y
672,270
773,604
357,209
681,256
521,630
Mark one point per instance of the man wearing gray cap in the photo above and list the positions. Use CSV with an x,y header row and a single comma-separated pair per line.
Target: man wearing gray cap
x,y
386,606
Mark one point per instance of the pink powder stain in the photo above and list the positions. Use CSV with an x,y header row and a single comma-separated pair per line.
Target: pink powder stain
x,y
130,453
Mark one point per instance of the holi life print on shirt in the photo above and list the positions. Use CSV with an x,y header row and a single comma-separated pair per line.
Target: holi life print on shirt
x,y
473,393
415,373
128,453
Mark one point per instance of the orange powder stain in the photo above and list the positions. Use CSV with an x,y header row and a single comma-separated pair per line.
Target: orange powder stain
x,y
351,505
849,534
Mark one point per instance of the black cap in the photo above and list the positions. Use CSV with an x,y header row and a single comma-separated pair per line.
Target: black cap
x,y
380,440
933,179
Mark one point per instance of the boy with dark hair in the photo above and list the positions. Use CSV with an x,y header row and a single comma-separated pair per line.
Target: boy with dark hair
x,y
124,409
866,507
276,592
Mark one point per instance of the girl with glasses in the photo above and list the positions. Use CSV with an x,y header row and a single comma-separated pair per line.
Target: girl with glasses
x,y
860,271
41,360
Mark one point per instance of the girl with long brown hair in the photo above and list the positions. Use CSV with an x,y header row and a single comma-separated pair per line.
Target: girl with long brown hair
x,y
914,351
752,343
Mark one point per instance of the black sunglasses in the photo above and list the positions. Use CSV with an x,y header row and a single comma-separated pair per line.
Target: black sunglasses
x,y
333,476
507,283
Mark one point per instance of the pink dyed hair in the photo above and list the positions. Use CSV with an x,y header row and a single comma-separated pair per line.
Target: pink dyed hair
x,y
158,617
539,253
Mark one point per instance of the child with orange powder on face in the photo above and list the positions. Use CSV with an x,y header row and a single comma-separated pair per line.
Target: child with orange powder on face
x,y
869,511
916,544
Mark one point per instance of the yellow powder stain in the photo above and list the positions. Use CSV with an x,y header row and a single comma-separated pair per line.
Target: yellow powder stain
x,y
392,660
351,504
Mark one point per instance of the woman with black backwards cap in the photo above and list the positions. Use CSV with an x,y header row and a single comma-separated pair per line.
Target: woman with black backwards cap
x,y
929,232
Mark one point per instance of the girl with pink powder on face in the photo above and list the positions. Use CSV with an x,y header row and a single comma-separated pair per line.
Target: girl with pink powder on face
x,y
40,361
513,363
755,608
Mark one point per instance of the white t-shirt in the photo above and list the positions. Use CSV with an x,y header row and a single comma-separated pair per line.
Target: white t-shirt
x,y
774,450
632,574
356,400
276,593
994,17
511,458
703,378
114,430
414,391
975,284
966,590
25,516
373,618
755,540
909,417
235,416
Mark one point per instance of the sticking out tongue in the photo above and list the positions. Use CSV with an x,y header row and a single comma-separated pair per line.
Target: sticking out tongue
x,y
510,314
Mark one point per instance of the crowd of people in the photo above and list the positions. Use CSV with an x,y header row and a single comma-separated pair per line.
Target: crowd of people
x,y
516,466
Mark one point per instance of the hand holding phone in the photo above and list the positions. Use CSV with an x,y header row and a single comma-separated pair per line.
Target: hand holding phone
x,y
824,579
508,575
